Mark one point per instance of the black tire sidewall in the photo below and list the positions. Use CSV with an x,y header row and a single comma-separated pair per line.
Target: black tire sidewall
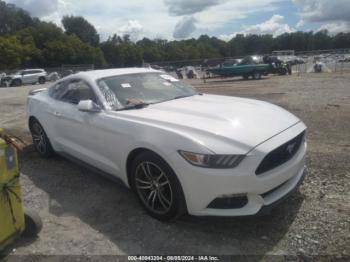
x,y
179,205
41,80
49,150
16,82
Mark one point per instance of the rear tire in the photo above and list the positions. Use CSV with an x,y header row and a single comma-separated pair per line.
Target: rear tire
x,y
40,140
245,77
157,187
256,76
16,82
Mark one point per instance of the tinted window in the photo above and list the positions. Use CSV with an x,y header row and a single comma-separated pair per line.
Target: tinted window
x,y
28,72
57,90
77,91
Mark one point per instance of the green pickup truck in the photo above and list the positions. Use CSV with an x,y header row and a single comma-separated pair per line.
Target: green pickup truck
x,y
245,68
249,67
255,71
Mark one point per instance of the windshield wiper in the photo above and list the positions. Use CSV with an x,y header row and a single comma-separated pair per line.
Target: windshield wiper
x,y
135,106
183,96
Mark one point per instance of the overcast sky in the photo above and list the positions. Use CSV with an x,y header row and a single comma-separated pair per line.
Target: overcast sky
x,y
181,19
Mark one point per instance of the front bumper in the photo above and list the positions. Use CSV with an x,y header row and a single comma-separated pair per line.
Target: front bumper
x,y
201,186
265,210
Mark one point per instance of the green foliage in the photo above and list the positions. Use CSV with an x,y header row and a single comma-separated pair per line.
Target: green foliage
x,y
121,52
10,49
15,53
82,28
42,33
29,42
341,40
13,19
69,49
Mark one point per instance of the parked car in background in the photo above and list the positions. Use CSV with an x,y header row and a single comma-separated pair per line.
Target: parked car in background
x,y
27,76
247,67
179,150
2,75
53,76
191,72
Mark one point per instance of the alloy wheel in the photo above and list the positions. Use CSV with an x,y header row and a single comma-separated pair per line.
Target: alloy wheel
x,y
39,139
154,187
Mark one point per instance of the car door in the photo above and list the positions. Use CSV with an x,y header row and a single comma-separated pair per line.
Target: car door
x,y
25,76
28,77
75,130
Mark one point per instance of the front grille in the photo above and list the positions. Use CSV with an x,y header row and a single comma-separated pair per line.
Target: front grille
x,y
280,155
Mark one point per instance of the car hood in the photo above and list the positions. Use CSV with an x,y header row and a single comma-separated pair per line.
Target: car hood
x,y
219,121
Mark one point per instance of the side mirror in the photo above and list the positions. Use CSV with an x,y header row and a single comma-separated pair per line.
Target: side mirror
x,y
88,106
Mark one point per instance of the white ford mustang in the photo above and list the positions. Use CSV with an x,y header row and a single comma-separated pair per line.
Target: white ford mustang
x,y
179,150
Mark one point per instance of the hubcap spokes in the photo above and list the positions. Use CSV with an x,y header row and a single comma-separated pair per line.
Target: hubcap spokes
x,y
39,138
153,186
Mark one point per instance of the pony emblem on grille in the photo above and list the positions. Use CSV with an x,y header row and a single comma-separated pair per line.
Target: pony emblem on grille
x,y
290,148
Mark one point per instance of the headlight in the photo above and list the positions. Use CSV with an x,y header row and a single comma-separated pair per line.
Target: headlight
x,y
212,161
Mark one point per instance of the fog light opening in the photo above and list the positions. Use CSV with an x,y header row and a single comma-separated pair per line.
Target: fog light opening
x,y
229,201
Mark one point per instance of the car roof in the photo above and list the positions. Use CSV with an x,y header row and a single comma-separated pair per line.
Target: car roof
x,y
98,74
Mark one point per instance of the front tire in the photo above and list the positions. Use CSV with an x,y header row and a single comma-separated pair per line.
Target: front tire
x,y
42,80
16,82
157,187
40,140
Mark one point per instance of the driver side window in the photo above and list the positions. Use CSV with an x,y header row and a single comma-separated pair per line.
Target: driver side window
x,y
78,90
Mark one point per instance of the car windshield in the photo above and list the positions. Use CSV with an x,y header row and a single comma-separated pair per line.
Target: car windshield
x,y
146,88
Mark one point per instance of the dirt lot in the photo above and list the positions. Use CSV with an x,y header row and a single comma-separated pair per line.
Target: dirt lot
x,y
84,213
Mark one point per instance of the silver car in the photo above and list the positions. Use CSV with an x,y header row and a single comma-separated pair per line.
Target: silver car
x,y
27,76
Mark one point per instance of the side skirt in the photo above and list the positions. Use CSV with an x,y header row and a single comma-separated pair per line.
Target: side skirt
x,y
92,168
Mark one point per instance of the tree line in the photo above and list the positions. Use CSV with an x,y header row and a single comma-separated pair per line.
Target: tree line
x,y
26,41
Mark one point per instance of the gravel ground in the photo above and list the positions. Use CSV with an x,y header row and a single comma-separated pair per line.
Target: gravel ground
x,y
84,213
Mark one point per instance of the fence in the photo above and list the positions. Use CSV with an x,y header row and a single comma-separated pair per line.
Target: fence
x,y
329,65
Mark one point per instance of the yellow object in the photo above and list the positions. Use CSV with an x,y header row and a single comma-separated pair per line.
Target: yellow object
x,y
12,221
